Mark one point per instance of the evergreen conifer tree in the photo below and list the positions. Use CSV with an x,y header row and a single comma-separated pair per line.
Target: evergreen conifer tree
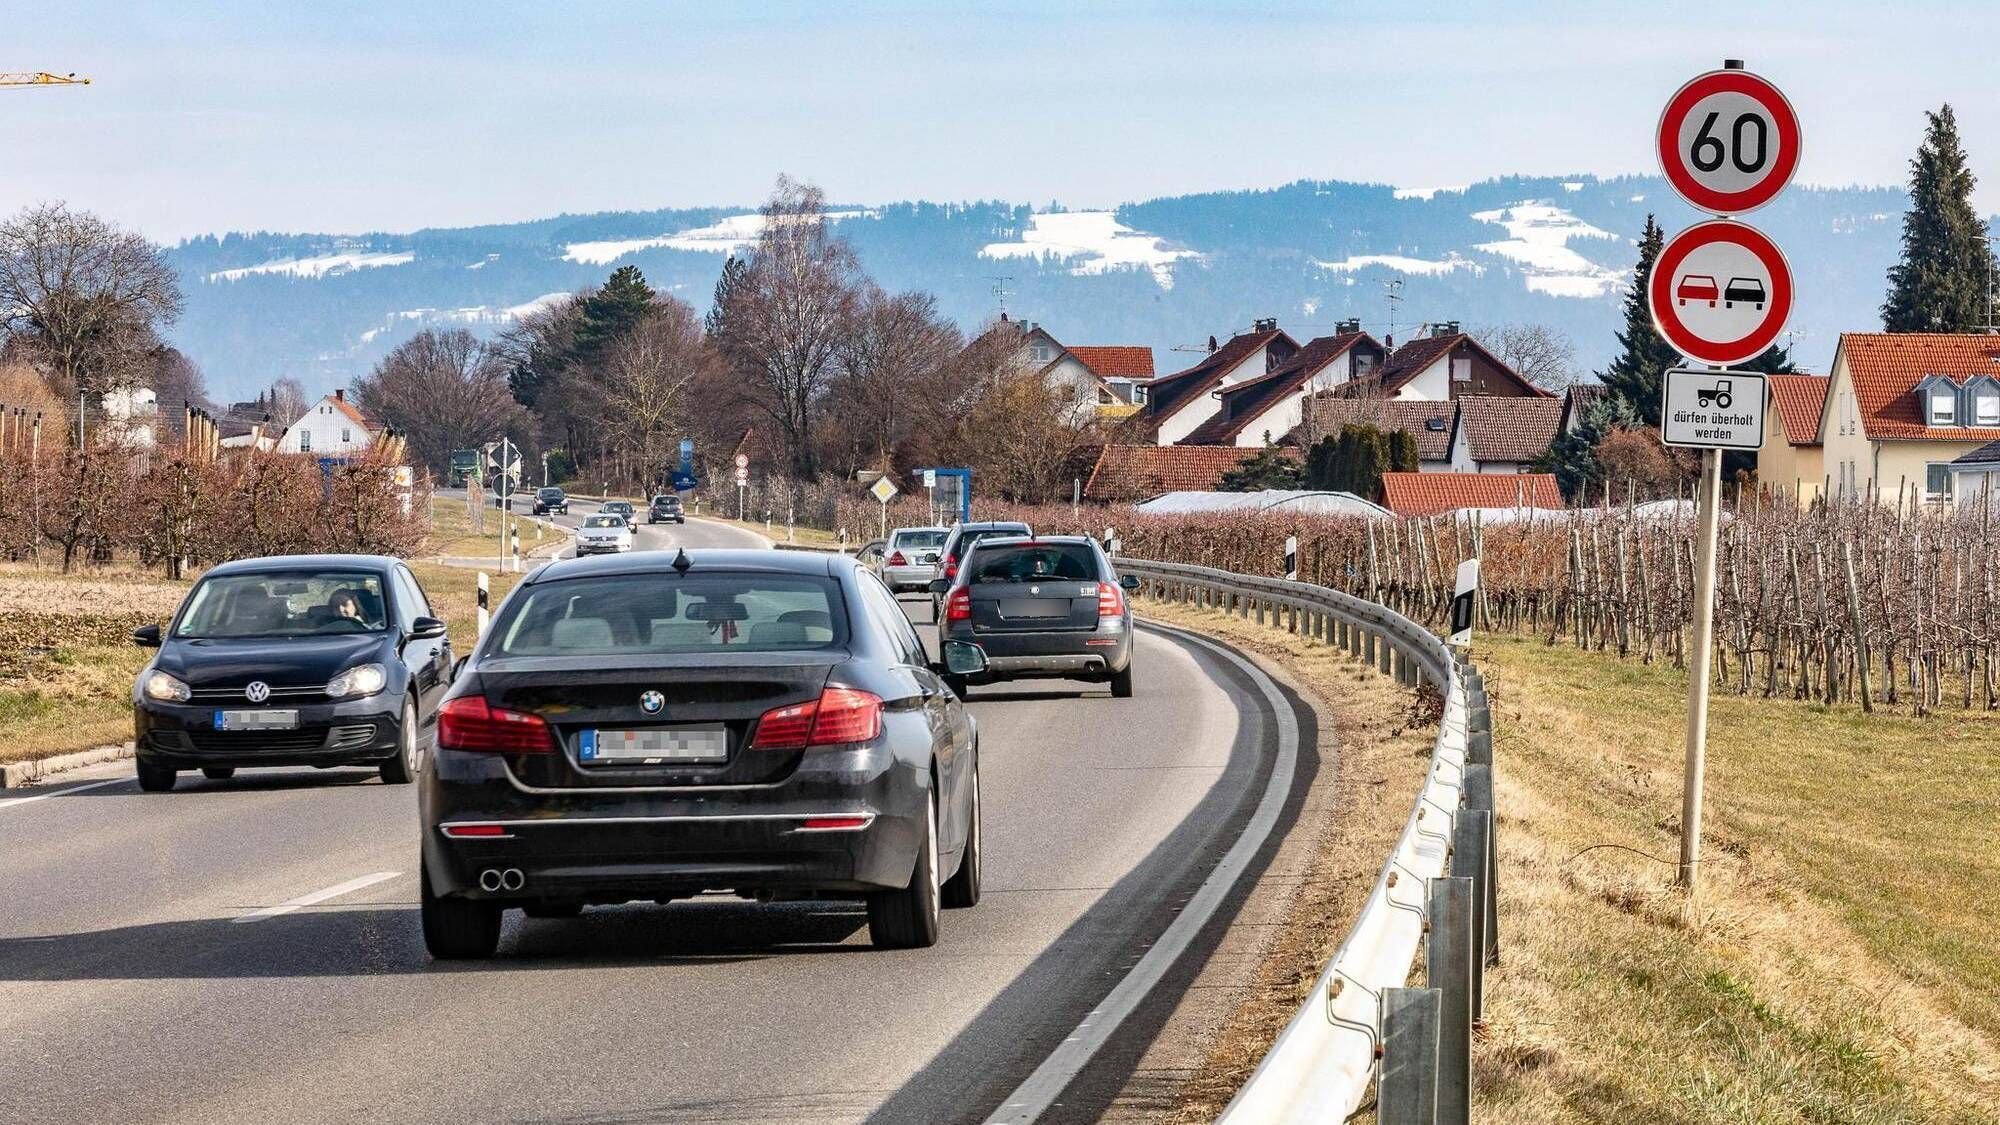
x,y
1942,282
1635,375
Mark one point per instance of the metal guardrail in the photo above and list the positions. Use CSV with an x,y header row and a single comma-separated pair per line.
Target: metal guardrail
x,y
1360,1025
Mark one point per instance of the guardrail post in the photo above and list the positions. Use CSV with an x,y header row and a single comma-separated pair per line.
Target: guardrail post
x,y
1448,965
1472,858
1260,609
1387,648
1406,1093
1368,648
1478,721
1478,793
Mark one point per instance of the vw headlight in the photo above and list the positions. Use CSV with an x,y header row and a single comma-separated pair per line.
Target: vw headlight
x,y
160,685
360,680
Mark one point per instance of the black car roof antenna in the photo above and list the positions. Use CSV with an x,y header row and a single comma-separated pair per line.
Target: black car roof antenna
x,y
682,562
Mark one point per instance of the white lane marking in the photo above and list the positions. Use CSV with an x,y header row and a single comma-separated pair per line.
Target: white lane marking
x,y
1041,1089
317,897
8,804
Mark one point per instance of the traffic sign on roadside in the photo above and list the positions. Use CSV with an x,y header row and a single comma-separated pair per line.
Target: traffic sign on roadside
x,y
883,489
742,460
1720,292
1728,141
1712,409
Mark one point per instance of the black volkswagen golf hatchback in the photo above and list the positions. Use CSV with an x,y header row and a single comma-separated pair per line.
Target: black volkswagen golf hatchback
x,y
649,727
303,660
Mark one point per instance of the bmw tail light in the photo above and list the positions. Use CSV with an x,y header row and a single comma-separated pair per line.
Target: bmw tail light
x,y
468,723
896,559
959,606
840,715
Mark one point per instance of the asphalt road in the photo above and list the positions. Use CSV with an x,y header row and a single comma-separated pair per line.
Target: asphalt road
x,y
249,950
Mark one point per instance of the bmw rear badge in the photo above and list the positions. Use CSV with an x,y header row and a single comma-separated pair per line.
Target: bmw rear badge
x,y
651,702
257,691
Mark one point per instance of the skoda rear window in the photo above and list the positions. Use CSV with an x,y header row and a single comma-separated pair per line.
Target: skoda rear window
x,y
715,612
1011,562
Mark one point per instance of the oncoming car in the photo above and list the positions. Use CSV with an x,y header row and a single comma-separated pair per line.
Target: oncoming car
x,y
1048,608
308,660
550,501
604,533
622,509
652,727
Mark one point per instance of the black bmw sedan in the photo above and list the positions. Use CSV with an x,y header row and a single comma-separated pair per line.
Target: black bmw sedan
x,y
304,660
649,727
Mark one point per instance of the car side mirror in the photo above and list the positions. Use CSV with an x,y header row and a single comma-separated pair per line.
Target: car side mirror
x,y
963,658
146,636
1128,581
426,629
940,586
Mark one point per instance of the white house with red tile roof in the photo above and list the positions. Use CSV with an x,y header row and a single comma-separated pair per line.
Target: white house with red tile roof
x,y
1261,410
333,427
1900,408
1176,404
1502,435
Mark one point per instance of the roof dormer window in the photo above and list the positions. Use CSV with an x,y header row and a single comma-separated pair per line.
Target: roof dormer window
x,y
1943,407
1986,407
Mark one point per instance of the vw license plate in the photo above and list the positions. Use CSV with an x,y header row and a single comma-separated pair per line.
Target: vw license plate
x,y
654,745
256,720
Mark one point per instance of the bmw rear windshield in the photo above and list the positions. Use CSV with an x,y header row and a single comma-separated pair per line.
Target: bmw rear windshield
x,y
666,614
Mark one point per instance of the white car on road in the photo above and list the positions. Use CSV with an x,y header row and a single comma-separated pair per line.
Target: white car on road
x,y
909,560
603,534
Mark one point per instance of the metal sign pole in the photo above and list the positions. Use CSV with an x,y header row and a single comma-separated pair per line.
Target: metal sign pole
x,y
1698,668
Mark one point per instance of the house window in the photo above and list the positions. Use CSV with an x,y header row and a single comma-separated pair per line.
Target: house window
x,y
1040,352
1138,395
1937,480
1944,407
1986,408
1461,370
305,441
346,438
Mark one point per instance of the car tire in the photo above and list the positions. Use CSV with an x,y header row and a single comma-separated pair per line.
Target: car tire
x,y
908,918
408,762
218,773
458,929
1121,683
962,889
156,779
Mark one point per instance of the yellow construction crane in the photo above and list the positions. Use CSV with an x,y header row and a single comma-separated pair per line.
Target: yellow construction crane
x,y
41,78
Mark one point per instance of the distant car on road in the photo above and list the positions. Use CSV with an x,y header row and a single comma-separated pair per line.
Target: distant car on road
x,y
305,660
910,559
1696,287
659,726
1749,290
605,533
1048,608
963,537
622,509
550,501
666,508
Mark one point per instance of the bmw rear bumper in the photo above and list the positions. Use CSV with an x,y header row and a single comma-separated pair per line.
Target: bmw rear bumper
x,y
610,846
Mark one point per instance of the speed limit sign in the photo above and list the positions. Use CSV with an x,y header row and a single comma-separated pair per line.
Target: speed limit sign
x,y
1728,142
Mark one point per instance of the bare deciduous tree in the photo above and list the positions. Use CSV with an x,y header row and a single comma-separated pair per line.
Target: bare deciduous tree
x,y
895,382
641,399
788,315
84,295
1542,355
443,390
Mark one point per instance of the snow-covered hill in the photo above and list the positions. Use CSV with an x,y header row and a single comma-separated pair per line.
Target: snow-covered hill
x,y
1165,273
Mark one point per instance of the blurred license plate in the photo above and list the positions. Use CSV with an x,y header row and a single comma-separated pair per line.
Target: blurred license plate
x,y
654,745
1034,607
256,720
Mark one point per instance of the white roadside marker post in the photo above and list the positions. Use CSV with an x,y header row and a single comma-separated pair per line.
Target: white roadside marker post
x,y
480,629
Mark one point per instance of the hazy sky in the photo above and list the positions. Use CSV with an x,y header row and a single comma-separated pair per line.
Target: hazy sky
x,y
391,115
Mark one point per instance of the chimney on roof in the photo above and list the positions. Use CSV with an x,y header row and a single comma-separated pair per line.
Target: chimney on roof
x,y
1265,324
1347,327
340,394
1003,316
1389,343
1446,328
1211,343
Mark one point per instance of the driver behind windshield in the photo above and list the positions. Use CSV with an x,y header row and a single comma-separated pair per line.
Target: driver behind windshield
x,y
342,606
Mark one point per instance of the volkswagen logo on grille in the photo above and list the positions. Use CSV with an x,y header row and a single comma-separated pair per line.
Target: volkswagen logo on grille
x,y
257,691
651,702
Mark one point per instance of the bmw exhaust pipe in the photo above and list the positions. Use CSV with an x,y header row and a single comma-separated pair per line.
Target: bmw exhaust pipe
x,y
512,879
489,879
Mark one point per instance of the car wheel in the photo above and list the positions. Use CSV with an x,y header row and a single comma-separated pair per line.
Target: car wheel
x,y
156,779
962,890
218,773
1121,683
908,918
552,909
458,929
408,761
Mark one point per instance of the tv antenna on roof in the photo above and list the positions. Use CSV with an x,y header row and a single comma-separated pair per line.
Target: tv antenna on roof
x,y
1395,292
1000,291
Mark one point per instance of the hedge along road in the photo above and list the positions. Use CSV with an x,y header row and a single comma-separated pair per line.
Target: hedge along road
x,y
249,949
